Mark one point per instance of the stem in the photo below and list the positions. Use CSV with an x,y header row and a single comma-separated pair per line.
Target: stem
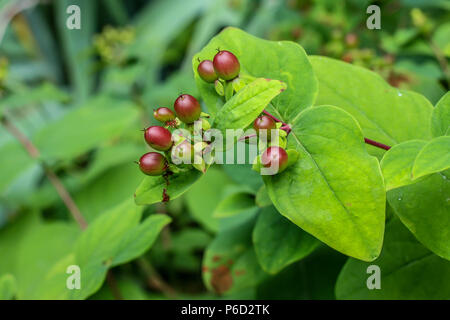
x,y
112,283
155,280
274,118
60,189
56,182
376,144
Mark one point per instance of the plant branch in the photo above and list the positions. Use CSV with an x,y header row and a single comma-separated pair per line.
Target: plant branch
x,y
56,182
376,144
154,280
274,118
60,189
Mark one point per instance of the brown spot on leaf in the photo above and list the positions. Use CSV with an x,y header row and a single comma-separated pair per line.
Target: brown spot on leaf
x,y
205,269
221,279
216,258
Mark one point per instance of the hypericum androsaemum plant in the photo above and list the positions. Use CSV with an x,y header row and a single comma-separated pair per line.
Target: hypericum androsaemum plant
x,y
336,122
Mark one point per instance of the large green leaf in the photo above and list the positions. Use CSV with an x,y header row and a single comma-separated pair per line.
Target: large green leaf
x,y
335,190
440,119
241,110
98,120
113,238
230,264
278,242
43,246
385,114
402,262
151,188
424,208
281,60
406,162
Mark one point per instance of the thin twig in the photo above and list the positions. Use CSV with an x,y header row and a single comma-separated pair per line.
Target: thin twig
x,y
154,280
274,118
56,182
376,144
112,283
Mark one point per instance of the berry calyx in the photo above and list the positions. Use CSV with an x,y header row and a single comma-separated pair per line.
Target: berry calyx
x,y
163,114
187,108
153,164
274,157
206,71
264,123
183,153
226,65
158,138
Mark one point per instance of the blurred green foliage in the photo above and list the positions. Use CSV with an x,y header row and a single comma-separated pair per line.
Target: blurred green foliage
x,y
81,97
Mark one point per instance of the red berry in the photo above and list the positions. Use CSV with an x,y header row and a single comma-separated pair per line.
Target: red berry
x,y
226,65
153,164
187,108
275,157
264,122
158,138
206,71
163,114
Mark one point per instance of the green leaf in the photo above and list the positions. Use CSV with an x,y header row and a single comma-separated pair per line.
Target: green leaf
x,y
398,162
140,238
440,118
282,60
385,114
335,188
202,199
423,207
113,238
40,248
262,198
243,108
311,278
8,287
98,120
434,157
43,93
230,264
234,203
278,242
402,262
151,188
404,163
77,43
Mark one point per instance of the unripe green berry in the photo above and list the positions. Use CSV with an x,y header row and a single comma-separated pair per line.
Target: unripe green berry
x,y
158,138
206,71
163,114
275,156
226,65
153,164
183,153
187,108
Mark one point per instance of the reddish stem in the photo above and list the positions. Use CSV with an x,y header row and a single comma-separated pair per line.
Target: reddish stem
x,y
376,144
274,118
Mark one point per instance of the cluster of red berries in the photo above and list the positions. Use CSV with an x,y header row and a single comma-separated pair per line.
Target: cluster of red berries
x,y
226,66
187,110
